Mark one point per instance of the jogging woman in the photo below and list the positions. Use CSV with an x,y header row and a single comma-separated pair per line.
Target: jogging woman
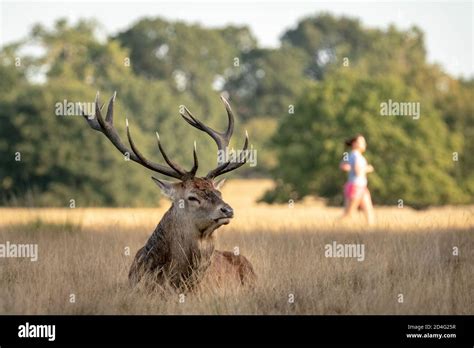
x,y
356,193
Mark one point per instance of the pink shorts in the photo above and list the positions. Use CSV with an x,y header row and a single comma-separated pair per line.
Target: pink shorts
x,y
353,191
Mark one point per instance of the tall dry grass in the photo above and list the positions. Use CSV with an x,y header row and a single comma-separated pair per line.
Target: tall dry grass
x,y
82,252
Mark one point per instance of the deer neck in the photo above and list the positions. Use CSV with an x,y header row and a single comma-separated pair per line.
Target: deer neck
x,y
186,244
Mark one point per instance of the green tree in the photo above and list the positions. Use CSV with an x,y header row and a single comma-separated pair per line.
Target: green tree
x,y
61,158
413,158
333,71
267,82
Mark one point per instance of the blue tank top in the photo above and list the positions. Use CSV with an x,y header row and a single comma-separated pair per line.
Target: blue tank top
x,y
357,157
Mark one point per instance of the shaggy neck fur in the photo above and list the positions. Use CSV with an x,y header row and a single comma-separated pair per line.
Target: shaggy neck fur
x,y
179,247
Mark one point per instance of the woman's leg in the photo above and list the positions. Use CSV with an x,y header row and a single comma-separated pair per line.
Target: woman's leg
x,y
353,201
351,207
368,207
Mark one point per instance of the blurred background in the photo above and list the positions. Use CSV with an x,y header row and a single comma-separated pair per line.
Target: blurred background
x,y
301,78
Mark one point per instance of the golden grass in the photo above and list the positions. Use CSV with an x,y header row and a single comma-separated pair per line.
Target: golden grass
x,y
81,252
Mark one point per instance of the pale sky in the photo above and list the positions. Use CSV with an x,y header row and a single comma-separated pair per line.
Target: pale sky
x,y
448,25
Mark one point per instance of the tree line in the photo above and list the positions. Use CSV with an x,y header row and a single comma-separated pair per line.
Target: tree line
x,y
325,82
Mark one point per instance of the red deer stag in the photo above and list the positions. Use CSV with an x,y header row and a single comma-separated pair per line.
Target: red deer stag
x,y
180,252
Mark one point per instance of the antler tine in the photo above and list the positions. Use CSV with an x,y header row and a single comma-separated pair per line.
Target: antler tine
x,y
222,139
109,131
172,164
106,127
196,162
230,115
230,166
147,163
92,120
109,117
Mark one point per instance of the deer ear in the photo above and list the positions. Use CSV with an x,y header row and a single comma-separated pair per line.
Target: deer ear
x,y
166,187
219,184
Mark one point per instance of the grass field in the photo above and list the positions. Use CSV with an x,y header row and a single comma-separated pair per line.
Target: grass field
x,y
82,251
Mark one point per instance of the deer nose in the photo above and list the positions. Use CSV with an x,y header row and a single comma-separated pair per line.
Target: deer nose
x,y
227,210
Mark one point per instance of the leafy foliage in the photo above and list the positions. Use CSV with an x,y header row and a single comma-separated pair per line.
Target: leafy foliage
x,y
413,157
333,71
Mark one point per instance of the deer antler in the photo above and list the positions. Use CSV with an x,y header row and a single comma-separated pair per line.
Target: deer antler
x,y
107,128
222,139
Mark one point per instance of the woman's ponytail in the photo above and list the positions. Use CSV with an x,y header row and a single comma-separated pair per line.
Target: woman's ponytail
x,y
350,141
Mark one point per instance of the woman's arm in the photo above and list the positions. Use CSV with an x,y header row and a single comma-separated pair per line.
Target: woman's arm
x,y
345,166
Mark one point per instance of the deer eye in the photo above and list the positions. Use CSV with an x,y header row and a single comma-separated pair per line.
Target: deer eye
x,y
193,199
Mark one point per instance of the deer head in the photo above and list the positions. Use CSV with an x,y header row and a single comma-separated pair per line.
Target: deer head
x,y
197,201
200,199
